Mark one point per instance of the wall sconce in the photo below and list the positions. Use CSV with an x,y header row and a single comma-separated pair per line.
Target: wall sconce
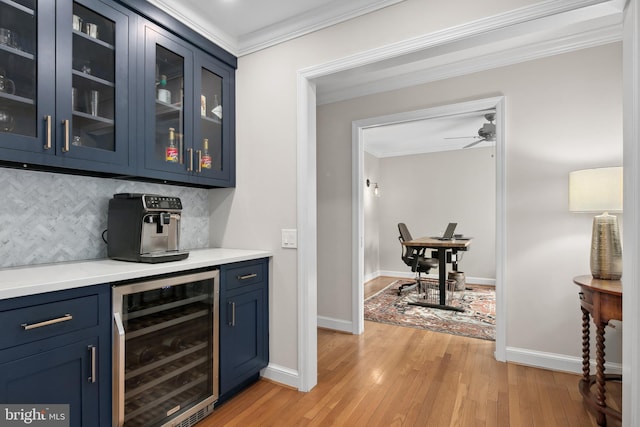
x,y
600,190
376,189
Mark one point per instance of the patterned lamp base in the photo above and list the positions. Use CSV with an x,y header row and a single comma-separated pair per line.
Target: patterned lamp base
x,y
606,250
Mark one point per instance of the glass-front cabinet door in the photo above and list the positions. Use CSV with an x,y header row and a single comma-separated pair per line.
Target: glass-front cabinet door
x,y
211,129
27,72
64,71
92,102
168,90
189,131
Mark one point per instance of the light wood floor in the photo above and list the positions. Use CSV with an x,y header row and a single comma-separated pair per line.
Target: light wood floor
x,y
395,376
374,286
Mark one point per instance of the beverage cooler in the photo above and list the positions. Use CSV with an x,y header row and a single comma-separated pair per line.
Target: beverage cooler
x,y
165,357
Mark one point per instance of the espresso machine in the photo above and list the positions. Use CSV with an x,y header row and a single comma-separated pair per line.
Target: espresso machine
x,y
144,228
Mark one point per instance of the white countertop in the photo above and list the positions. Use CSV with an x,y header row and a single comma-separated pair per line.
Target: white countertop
x,y
36,279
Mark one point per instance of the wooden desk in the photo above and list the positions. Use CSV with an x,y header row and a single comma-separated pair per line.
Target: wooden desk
x,y
602,300
442,246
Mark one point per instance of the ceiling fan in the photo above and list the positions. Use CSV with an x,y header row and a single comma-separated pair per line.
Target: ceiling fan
x,y
486,133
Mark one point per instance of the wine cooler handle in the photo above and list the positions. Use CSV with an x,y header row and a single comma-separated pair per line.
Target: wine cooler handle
x,y
199,161
47,145
118,341
92,353
232,323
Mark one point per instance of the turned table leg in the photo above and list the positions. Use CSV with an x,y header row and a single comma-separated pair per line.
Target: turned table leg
x,y
586,368
600,378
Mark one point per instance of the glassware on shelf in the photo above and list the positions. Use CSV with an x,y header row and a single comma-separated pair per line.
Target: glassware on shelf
x,y
6,121
93,99
217,108
205,162
91,30
9,38
77,23
172,151
6,85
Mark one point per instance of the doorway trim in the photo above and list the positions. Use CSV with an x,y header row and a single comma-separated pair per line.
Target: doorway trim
x,y
357,181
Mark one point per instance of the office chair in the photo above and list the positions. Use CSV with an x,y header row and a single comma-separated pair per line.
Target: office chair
x,y
414,258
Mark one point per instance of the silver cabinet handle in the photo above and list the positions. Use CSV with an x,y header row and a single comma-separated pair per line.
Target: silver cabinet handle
x,y
233,314
66,136
247,276
92,353
190,151
64,318
199,161
47,144
118,360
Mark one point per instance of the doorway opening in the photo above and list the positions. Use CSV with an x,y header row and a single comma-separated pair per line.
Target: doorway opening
x,y
358,182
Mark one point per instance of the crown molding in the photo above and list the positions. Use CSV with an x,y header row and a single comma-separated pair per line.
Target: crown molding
x,y
441,70
549,28
329,14
210,31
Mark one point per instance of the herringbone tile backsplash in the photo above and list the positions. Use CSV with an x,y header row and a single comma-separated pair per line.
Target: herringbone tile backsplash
x,y
47,217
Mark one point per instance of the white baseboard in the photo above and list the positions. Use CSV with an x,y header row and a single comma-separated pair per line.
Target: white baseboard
x,y
335,324
410,275
282,375
555,362
371,276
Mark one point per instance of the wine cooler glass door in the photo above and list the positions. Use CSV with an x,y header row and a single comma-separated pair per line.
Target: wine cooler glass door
x,y
166,332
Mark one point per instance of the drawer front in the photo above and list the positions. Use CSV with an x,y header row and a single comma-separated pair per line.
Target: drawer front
x,y
243,274
37,322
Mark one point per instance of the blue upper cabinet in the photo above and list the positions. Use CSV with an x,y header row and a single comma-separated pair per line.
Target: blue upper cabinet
x,y
90,86
188,113
64,84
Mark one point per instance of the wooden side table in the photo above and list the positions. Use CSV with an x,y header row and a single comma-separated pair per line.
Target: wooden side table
x,y
602,300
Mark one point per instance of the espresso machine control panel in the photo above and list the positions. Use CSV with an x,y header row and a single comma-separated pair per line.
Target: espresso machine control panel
x,y
162,203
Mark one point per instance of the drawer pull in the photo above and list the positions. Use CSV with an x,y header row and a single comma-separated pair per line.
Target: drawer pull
x,y
247,276
64,318
581,295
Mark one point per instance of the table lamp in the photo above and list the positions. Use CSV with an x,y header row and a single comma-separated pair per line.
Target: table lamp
x,y
600,190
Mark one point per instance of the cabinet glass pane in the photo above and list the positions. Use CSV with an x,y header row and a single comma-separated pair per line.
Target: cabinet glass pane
x,y
93,76
169,83
211,108
18,35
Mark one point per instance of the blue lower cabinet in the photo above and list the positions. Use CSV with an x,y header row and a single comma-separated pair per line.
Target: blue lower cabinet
x,y
57,351
244,324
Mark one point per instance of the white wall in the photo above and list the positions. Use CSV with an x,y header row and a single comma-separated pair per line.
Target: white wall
x,y
265,198
562,113
371,205
428,191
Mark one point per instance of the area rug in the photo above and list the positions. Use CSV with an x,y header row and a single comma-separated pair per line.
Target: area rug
x,y
477,320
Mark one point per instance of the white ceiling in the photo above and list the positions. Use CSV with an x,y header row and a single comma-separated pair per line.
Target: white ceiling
x,y
425,136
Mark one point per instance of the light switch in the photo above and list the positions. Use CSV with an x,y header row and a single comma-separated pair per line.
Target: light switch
x,y
289,238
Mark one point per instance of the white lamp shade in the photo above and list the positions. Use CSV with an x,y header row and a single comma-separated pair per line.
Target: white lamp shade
x,y
596,190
